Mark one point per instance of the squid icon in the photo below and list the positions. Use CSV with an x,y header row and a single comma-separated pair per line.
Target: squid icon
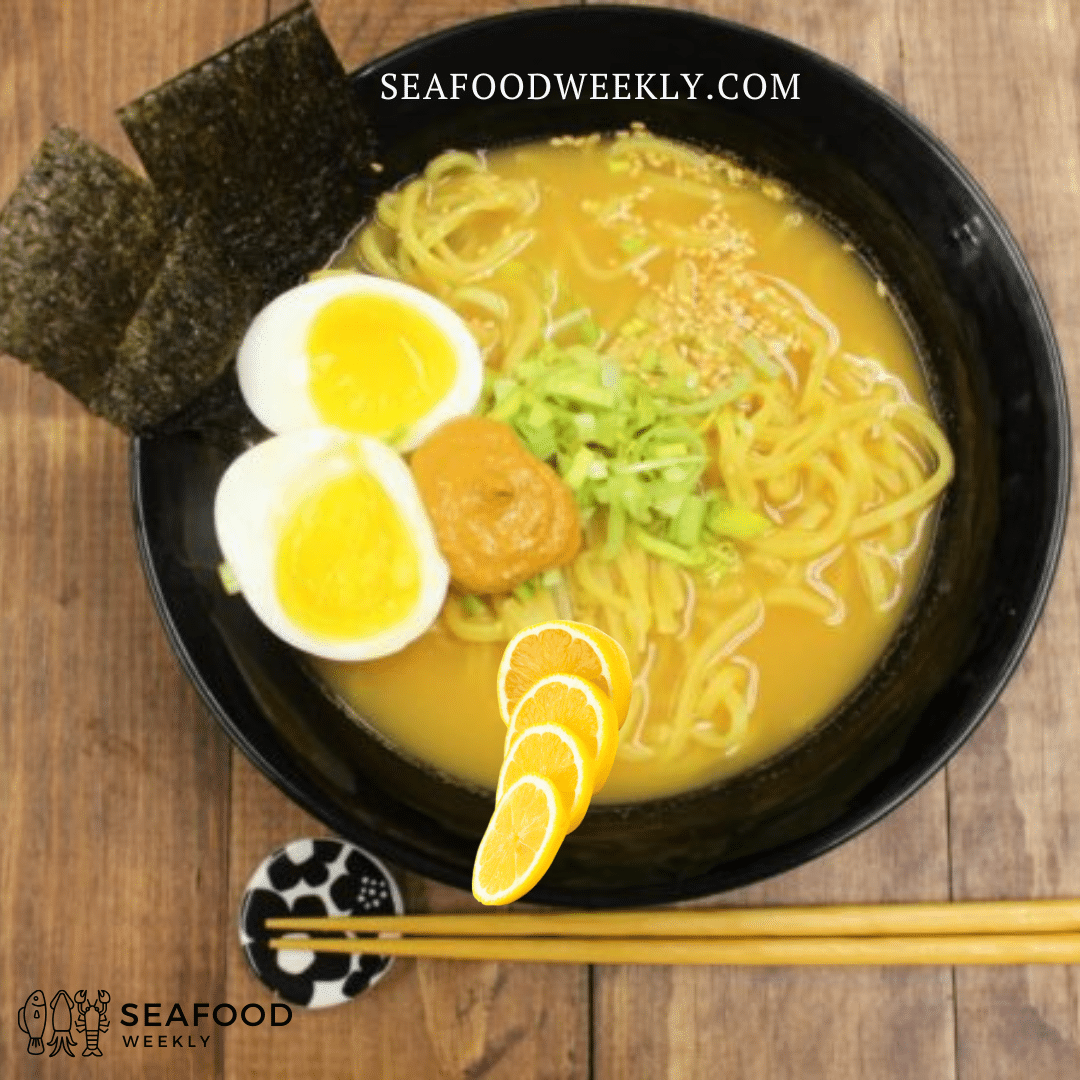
x,y
61,1024
91,1020
32,1020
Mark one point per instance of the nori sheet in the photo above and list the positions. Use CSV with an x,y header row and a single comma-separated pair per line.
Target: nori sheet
x,y
266,139
135,295
81,240
220,416
183,336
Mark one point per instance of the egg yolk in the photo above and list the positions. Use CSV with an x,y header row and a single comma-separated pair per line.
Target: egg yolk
x,y
376,364
347,566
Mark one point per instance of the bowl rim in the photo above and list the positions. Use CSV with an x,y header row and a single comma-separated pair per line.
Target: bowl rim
x,y
853,821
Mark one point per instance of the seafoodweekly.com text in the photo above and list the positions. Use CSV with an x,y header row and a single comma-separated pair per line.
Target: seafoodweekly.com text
x,y
589,86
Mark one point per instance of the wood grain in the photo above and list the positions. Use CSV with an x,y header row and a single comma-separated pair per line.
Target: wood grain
x,y
1001,90
114,783
790,1022
361,32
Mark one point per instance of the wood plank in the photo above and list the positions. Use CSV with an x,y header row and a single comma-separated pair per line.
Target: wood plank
x,y
776,1023
363,32
779,1023
113,781
1001,90
860,34
75,63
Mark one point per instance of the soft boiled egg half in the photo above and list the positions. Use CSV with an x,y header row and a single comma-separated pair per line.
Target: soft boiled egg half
x,y
360,353
329,542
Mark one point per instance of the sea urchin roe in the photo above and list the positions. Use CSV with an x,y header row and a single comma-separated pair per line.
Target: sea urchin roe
x,y
346,564
500,514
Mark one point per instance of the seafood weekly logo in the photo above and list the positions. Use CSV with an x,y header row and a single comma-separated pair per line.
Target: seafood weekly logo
x,y
89,1018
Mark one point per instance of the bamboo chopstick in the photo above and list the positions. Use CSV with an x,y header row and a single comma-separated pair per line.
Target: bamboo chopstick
x,y
984,932
924,949
837,920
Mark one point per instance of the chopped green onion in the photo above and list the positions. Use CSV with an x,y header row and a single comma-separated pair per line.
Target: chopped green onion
x,y
502,387
601,396
229,581
508,405
578,471
650,362
396,437
737,522
585,423
540,416
616,531
541,442
634,449
720,560
609,432
672,450
669,465
687,526
664,549
473,606
671,505
590,332
724,396
631,495
609,374
674,386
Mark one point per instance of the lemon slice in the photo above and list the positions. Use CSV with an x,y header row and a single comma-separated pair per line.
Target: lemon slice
x,y
570,648
575,703
521,840
556,752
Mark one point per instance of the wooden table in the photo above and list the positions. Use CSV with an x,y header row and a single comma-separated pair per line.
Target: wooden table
x,y
131,825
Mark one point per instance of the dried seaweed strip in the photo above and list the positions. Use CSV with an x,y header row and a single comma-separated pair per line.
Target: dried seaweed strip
x,y
220,415
182,337
81,239
267,140
135,297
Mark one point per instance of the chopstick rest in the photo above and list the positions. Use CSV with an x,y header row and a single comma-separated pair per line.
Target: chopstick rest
x,y
316,877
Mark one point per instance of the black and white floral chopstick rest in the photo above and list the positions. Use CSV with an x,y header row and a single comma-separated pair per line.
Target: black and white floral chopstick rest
x,y
316,877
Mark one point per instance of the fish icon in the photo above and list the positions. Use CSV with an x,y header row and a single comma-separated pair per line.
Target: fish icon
x,y
32,1021
61,1024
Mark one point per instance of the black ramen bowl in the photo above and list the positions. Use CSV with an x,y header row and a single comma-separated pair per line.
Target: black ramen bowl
x,y
994,372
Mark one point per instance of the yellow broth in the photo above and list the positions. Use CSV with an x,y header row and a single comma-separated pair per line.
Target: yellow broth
x,y
435,701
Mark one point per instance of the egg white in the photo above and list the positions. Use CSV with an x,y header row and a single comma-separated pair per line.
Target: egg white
x,y
272,363
258,492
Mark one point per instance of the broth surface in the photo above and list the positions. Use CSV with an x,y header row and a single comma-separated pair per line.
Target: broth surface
x,y
608,242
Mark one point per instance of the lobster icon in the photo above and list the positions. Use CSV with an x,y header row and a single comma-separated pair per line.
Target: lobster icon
x,y
92,1020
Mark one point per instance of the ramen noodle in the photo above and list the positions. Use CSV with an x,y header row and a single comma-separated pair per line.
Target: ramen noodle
x,y
735,402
